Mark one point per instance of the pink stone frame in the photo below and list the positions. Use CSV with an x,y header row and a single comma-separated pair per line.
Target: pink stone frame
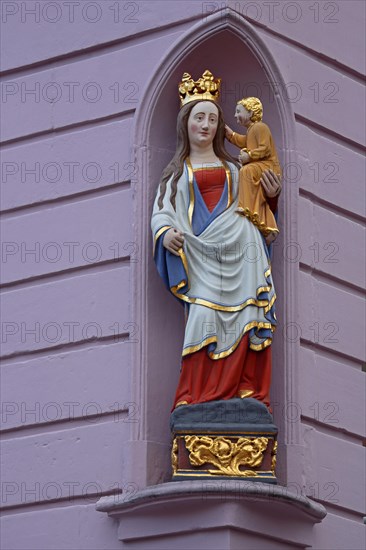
x,y
156,357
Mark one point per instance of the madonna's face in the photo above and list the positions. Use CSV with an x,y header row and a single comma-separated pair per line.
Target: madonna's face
x,y
202,123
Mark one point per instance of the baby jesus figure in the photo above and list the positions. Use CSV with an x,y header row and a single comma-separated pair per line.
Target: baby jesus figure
x,y
258,153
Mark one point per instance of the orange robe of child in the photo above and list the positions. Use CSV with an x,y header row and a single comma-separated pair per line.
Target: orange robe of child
x,y
263,156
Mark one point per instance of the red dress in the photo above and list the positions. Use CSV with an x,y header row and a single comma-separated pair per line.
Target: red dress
x,y
244,373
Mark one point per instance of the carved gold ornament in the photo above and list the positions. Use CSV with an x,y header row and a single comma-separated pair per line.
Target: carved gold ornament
x,y
227,455
274,457
175,456
254,218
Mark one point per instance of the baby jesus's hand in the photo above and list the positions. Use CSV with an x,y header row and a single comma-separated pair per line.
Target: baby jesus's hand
x,y
243,157
228,132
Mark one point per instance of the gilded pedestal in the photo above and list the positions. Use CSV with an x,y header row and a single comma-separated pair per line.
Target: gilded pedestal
x,y
233,439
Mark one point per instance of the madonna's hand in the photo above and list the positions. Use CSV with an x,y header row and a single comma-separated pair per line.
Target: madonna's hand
x,y
271,183
173,241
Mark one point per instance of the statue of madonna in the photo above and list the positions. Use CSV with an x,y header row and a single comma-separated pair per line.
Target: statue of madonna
x,y
215,261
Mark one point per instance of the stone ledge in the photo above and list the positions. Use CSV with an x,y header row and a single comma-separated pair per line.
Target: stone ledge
x,y
263,514
211,488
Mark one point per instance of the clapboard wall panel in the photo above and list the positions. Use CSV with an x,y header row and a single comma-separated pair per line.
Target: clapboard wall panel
x,y
63,28
78,93
70,163
76,384
292,22
334,253
320,398
37,529
40,242
64,457
327,168
66,311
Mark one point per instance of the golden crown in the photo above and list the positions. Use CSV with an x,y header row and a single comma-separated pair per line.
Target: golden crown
x,y
206,88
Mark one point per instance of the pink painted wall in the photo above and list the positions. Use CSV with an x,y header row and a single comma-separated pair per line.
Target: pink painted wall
x,y
68,229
